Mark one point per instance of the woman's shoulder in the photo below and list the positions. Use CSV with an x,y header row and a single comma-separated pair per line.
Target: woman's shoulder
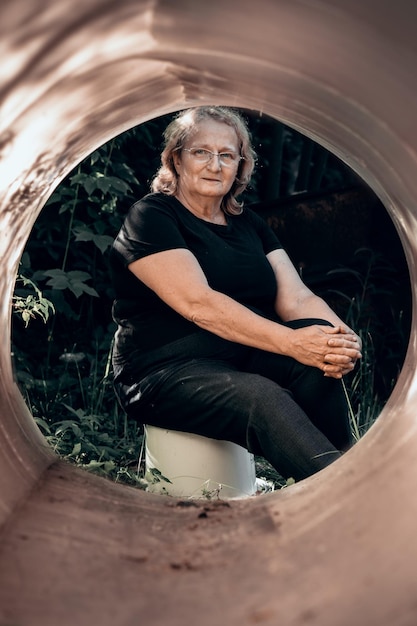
x,y
249,215
259,224
154,200
152,206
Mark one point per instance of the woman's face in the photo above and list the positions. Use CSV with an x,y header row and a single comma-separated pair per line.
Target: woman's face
x,y
212,179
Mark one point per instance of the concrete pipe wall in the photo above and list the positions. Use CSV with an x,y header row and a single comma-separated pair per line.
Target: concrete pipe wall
x,y
337,549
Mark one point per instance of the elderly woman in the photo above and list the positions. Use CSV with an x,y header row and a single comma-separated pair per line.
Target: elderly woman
x,y
217,334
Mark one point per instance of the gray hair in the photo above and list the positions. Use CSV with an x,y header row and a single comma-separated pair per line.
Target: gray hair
x,y
176,135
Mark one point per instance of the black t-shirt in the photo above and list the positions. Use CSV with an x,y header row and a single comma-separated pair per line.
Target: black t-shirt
x,y
232,257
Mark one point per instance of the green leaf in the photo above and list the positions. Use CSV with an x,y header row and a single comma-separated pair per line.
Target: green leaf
x,y
58,279
104,184
33,304
26,317
43,425
63,427
78,412
158,476
77,431
76,449
102,242
73,280
82,288
119,185
93,465
94,157
78,179
83,234
90,185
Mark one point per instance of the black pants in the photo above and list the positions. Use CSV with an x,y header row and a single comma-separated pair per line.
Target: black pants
x,y
290,414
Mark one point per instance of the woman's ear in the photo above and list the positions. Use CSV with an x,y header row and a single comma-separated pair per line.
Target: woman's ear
x,y
176,160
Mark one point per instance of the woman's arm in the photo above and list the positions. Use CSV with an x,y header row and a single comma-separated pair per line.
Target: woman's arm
x,y
296,301
177,278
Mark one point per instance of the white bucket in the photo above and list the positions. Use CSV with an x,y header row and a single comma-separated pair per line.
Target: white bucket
x,y
187,465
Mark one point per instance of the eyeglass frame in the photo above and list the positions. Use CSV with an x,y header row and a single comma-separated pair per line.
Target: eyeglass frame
x,y
212,154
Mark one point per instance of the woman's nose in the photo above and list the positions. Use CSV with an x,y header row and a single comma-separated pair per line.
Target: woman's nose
x,y
214,163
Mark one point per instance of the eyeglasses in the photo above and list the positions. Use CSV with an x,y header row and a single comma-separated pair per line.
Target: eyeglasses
x,y
201,155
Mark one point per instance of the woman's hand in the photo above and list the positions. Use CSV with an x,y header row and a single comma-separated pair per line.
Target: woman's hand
x,y
334,350
350,340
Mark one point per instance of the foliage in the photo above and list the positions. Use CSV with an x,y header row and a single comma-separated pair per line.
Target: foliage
x,y
97,434
374,301
58,360
29,302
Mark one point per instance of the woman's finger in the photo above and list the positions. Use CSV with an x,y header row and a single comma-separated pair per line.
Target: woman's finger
x,y
348,341
340,358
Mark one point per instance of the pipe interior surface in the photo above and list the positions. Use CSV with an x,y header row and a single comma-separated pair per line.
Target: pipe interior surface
x,y
339,548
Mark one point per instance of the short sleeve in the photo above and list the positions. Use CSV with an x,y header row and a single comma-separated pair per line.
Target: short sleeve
x,y
269,239
150,226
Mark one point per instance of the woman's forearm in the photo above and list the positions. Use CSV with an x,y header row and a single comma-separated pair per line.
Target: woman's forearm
x,y
230,320
332,349
312,306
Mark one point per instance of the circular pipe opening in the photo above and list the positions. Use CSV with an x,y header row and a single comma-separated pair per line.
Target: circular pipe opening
x,y
91,73
316,226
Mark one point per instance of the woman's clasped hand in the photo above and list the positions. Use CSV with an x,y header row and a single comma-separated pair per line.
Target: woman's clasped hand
x,y
335,350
